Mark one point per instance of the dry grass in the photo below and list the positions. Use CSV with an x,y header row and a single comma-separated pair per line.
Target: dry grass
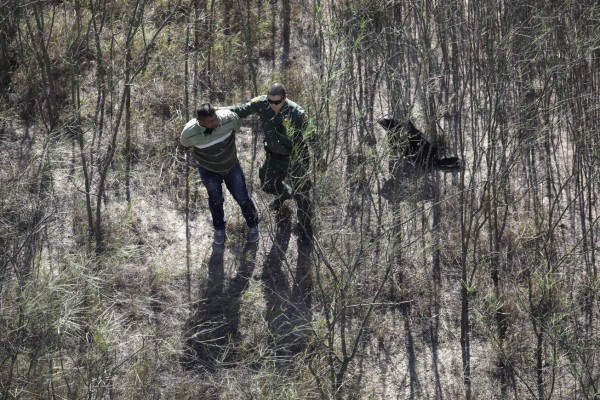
x,y
382,316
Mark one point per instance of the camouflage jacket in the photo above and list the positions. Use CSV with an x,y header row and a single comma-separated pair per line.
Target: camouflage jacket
x,y
284,131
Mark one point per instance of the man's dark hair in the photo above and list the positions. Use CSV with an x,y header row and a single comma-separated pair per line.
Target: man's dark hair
x,y
205,110
276,89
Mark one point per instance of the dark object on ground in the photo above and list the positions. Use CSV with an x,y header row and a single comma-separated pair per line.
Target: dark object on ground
x,y
405,139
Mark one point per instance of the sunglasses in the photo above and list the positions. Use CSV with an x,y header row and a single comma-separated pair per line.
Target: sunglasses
x,y
275,102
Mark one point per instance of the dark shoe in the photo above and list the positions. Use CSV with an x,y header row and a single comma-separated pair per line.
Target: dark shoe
x,y
219,237
253,234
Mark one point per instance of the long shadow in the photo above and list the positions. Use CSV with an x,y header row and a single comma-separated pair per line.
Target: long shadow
x,y
415,386
411,184
212,331
303,285
288,310
437,289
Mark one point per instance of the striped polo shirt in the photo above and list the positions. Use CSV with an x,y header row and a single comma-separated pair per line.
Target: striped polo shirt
x,y
215,149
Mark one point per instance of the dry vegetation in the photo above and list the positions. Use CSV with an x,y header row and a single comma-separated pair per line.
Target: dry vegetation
x,y
479,284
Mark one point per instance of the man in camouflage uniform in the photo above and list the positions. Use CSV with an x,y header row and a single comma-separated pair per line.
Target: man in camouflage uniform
x,y
285,172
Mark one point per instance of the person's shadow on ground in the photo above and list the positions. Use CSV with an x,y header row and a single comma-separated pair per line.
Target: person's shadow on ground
x,y
288,311
408,183
214,326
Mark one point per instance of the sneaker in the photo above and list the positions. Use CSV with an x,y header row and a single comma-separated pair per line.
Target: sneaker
x,y
253,234
219,237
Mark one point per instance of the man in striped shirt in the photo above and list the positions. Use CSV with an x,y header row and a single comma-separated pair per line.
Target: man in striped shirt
x,y
212,134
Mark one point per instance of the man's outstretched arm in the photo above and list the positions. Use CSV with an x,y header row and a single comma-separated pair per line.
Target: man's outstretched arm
x,y
244,110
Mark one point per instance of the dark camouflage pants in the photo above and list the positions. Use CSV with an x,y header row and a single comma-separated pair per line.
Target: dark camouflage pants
x,y
288,179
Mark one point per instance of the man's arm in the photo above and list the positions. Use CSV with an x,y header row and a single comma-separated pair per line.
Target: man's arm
x,y
300,135
246,109
190,134
300,126
229,119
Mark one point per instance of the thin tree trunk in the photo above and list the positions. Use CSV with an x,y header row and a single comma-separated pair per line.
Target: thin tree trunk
x,y
285,53
186,107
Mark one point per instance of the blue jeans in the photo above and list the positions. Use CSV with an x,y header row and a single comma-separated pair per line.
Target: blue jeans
x,y
236,184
